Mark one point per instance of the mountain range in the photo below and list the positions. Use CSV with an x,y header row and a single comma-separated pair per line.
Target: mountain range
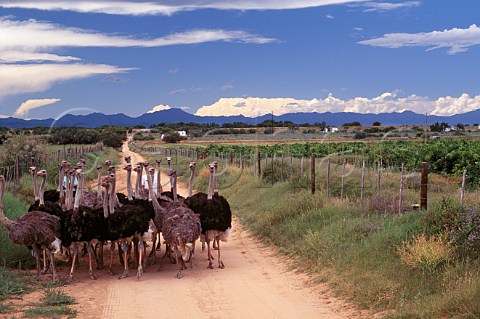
x,y
177,115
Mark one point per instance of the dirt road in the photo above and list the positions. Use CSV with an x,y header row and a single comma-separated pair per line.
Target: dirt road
x,y
254,284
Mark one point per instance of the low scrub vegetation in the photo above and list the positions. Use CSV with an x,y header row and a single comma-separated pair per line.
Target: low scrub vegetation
x,y
413,264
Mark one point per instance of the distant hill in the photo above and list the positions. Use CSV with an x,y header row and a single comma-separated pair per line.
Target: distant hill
x,y
176,115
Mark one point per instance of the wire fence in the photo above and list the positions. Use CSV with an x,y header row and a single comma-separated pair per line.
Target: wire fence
x,y
13,173
337,175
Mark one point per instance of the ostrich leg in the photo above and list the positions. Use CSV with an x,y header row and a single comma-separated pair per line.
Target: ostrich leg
x,y
36,254
209,254
112,249
125,261
141,250
75,253
220,262
52,265
180,264
45,262
90,262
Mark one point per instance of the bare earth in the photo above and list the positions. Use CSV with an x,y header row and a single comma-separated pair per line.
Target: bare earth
x,y
254,284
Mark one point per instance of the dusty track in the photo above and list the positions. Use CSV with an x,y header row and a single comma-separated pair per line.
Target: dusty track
x,y
254,284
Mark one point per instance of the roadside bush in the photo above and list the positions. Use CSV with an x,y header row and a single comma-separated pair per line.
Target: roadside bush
x,y
426,254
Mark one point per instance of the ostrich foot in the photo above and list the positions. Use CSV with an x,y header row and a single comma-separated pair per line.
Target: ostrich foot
x,y
221,265
124,275
110,271
139,273
179,274
70,277
210,265
55,280
92,275
214,246
203,247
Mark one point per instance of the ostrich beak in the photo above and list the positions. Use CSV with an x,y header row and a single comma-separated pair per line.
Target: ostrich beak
x,y
187,252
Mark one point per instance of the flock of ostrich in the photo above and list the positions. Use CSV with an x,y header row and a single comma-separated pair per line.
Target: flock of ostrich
x,y
62,219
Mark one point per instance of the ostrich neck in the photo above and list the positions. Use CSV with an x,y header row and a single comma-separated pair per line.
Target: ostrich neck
x,y
215,189
156,206
41,194
35,187
112,196
7,223
171,178
137,184
159,183
174,188
209,193
190,182
99,184
129,185
105,202
61,174
76,204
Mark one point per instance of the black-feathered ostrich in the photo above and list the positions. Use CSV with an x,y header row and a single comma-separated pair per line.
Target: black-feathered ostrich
x,y
215,216
34,229
124,223
83,225
180,228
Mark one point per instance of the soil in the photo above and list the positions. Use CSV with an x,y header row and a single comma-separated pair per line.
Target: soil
x,y
255,283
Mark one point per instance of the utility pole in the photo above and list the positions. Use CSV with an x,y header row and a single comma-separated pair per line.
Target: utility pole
x,y
426,127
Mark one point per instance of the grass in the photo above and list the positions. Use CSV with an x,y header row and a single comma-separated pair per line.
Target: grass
x,y
353,245
10,284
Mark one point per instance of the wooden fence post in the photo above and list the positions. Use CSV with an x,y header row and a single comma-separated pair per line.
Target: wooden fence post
x,y
424,186
400,201
343,177
462,193
379,170
259,165
301,166
328,177
363,180
313,174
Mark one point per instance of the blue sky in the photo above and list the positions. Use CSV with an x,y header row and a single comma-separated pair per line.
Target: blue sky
x,y
217,57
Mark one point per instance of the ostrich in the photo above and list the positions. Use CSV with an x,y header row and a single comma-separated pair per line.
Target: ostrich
x,y
35,229
83,225
215,216
180,228
124,223
159,177
33,173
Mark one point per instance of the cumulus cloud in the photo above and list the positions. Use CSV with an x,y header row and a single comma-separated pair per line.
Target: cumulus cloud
x,y
26,106
21,56
28,78
159,8
160,107
456,40
387,6
385,103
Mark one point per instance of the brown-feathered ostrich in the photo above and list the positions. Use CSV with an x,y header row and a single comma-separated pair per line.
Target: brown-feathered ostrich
x,y
34,229
180,228
215,216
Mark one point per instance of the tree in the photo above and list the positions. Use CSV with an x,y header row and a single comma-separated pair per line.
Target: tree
x,y
356,123
376,123
438,127
172,137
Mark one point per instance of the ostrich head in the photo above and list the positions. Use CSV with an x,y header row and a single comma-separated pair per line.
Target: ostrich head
x,y
137,168
32,170
159,161
42,173
128,159
111,169
108,163
186,249
169,160
83,161
128,167
192,166
99,167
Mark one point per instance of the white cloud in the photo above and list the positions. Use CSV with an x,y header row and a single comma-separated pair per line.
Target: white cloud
x,y
329,16
226,87
3,116
158,8
456,40
26,106
160,107
32,35
385,103
19,79
19,56
387,6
